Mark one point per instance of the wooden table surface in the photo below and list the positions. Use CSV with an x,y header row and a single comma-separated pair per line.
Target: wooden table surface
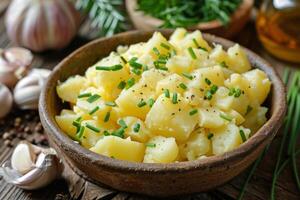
x,y
259,187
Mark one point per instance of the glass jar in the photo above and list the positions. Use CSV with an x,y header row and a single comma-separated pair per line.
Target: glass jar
x,y
278,27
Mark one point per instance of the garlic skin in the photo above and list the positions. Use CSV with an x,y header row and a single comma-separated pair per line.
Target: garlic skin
x,y
23,158
40,25
14,63
46,169
28,89
6,100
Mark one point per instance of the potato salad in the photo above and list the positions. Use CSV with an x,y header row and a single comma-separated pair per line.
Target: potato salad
x,y
164,101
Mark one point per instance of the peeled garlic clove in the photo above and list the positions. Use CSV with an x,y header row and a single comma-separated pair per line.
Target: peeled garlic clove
x,y
18,56
23,158
28,89
46,169
6,100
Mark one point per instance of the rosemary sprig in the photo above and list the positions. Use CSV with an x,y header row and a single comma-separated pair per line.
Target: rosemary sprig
x,y
104,14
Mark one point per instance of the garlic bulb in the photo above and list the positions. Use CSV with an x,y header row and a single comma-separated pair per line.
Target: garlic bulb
x,y
14,63
28,89
6,100
42,24
34,171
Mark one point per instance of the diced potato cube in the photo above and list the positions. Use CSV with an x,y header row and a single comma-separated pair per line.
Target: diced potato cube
x,y
188,41
179,64
194,96
222,100
177,36
130,99
171,119
260,85
134,50
238,60
227,138
255,118
210,118
123,149
196,146
213,74
70,89
218,55
161,150
171,83
65,122
136,129
159,42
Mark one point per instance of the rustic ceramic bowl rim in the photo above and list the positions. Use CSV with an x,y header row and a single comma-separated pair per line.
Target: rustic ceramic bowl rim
x,y
263,134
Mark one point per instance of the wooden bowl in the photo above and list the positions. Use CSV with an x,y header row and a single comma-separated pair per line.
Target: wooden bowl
x,y
153,179
238,20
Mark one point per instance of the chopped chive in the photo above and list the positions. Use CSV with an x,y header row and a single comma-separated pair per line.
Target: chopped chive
x,y
119,132
210,135
167,93
93,98
130,83
110,68
107,116
123,59
249,109
76,124
84,95
136,127
186,75
135,65
165,46
133,59
223,64
94,110
136,71
208,95
226,117
231,91
93,128
213,89
106,133
145,68
238,93
141,103
151,145
193,112
174,98
162,68
110,103
203,49
151,102
122,85
192,53
159,61
122,123
112,157
196,43
243,136
78,119
80,133
156,51
183,86
207,81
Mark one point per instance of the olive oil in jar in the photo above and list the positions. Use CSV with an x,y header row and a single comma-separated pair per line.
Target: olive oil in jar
x,y
278,27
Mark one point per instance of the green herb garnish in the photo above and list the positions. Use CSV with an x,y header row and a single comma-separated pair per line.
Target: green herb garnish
x,y
193,112
183,86
123,59
192,53
151,145
156,51
122,123
84,95
210,135
106,117
165,46
151,102
119,132
93,128
109,68
106,133
226,117
174,98
112,104
208,95
93,98
141,103
167,93
94,110
132,62
188,76
136,127
207,81
223,64
213,89
243,136
80,132
130,83
122,85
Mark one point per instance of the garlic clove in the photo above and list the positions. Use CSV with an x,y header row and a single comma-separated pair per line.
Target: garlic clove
x,y
46,169
6,100
23,158
18,56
